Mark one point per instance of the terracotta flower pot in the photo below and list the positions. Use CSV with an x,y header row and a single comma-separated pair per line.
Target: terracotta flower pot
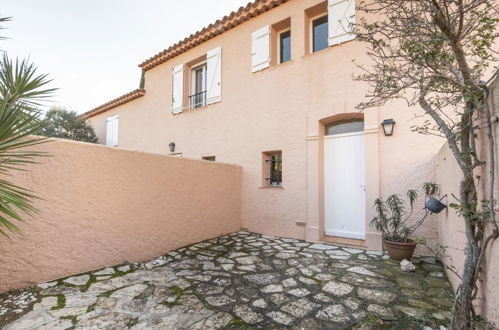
x,y
400,250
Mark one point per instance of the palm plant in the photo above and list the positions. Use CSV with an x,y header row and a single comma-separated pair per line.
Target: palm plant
x,y
21,91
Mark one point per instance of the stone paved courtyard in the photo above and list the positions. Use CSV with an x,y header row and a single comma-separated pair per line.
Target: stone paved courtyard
x,y
241,281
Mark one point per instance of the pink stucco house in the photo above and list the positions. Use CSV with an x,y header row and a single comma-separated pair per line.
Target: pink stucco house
x,y
249,123
270,88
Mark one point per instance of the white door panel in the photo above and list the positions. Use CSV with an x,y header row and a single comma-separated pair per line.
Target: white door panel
x,y
344,185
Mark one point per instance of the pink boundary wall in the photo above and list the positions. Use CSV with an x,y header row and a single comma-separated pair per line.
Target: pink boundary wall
x,y
451,228
102,206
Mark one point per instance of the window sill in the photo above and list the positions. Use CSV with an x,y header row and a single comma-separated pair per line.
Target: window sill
x,y
278,65
322,51
271,187
275,66
187,109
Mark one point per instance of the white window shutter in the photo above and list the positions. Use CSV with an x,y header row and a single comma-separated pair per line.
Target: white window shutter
x,y
178,89
109,131
260,50
341,21
112,131
115,130
214,75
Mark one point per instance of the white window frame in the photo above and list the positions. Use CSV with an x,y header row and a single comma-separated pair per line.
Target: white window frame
x,y
192,88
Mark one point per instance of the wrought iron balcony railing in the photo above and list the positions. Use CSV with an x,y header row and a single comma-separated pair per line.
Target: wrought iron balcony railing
x,y
197,100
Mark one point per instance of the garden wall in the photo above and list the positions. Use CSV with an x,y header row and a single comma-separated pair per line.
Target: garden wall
x,y
102,206
451,227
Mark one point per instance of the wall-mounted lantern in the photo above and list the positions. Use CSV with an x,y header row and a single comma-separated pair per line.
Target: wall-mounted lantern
x,y
172,146
388,126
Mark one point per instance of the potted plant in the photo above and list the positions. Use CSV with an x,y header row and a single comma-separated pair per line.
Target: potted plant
x,y
395,224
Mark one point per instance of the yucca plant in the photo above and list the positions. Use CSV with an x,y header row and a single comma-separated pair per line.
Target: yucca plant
x,y
21,91
393,214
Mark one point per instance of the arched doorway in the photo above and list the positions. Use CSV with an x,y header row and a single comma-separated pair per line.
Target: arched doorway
x,y
344,178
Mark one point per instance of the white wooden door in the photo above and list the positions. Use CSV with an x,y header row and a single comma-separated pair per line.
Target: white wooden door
x,y
344,185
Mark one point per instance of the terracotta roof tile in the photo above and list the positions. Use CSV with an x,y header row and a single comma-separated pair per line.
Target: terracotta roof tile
x,y
236,18
114,103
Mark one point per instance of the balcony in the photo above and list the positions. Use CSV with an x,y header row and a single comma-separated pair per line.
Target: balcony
x,y
197,100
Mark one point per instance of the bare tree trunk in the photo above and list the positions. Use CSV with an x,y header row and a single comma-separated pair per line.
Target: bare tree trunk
x,y
461,313
463,305
441,49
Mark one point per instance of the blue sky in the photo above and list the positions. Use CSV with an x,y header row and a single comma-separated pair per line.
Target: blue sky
x,y
91,48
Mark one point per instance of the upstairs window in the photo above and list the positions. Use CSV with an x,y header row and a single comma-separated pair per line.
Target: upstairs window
x,y
329,23
285,46
342,20
197,83
272,168
197,97
271,45
320,33
112,131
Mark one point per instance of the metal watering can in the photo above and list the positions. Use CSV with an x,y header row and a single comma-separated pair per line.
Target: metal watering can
x,y
434,205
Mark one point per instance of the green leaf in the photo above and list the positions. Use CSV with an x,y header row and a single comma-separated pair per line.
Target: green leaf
x,y
21,90
65,124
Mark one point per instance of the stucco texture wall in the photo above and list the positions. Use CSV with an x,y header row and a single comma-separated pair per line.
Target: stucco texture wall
x,y
101,206
451,232
280,108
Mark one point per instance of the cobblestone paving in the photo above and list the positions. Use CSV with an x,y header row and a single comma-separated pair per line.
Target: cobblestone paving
x,y
242,281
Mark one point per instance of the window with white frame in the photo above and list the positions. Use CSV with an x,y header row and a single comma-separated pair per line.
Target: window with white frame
x,y
197,97
112,131
329,23
197,83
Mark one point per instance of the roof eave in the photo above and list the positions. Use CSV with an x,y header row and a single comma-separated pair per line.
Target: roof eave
x,y
128,97
236,18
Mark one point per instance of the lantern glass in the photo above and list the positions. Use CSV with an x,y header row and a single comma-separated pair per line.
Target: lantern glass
x,y
388,126
172,146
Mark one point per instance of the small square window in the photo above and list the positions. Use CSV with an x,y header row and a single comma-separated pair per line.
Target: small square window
x,y
209,158
320,33
272,168
285,46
